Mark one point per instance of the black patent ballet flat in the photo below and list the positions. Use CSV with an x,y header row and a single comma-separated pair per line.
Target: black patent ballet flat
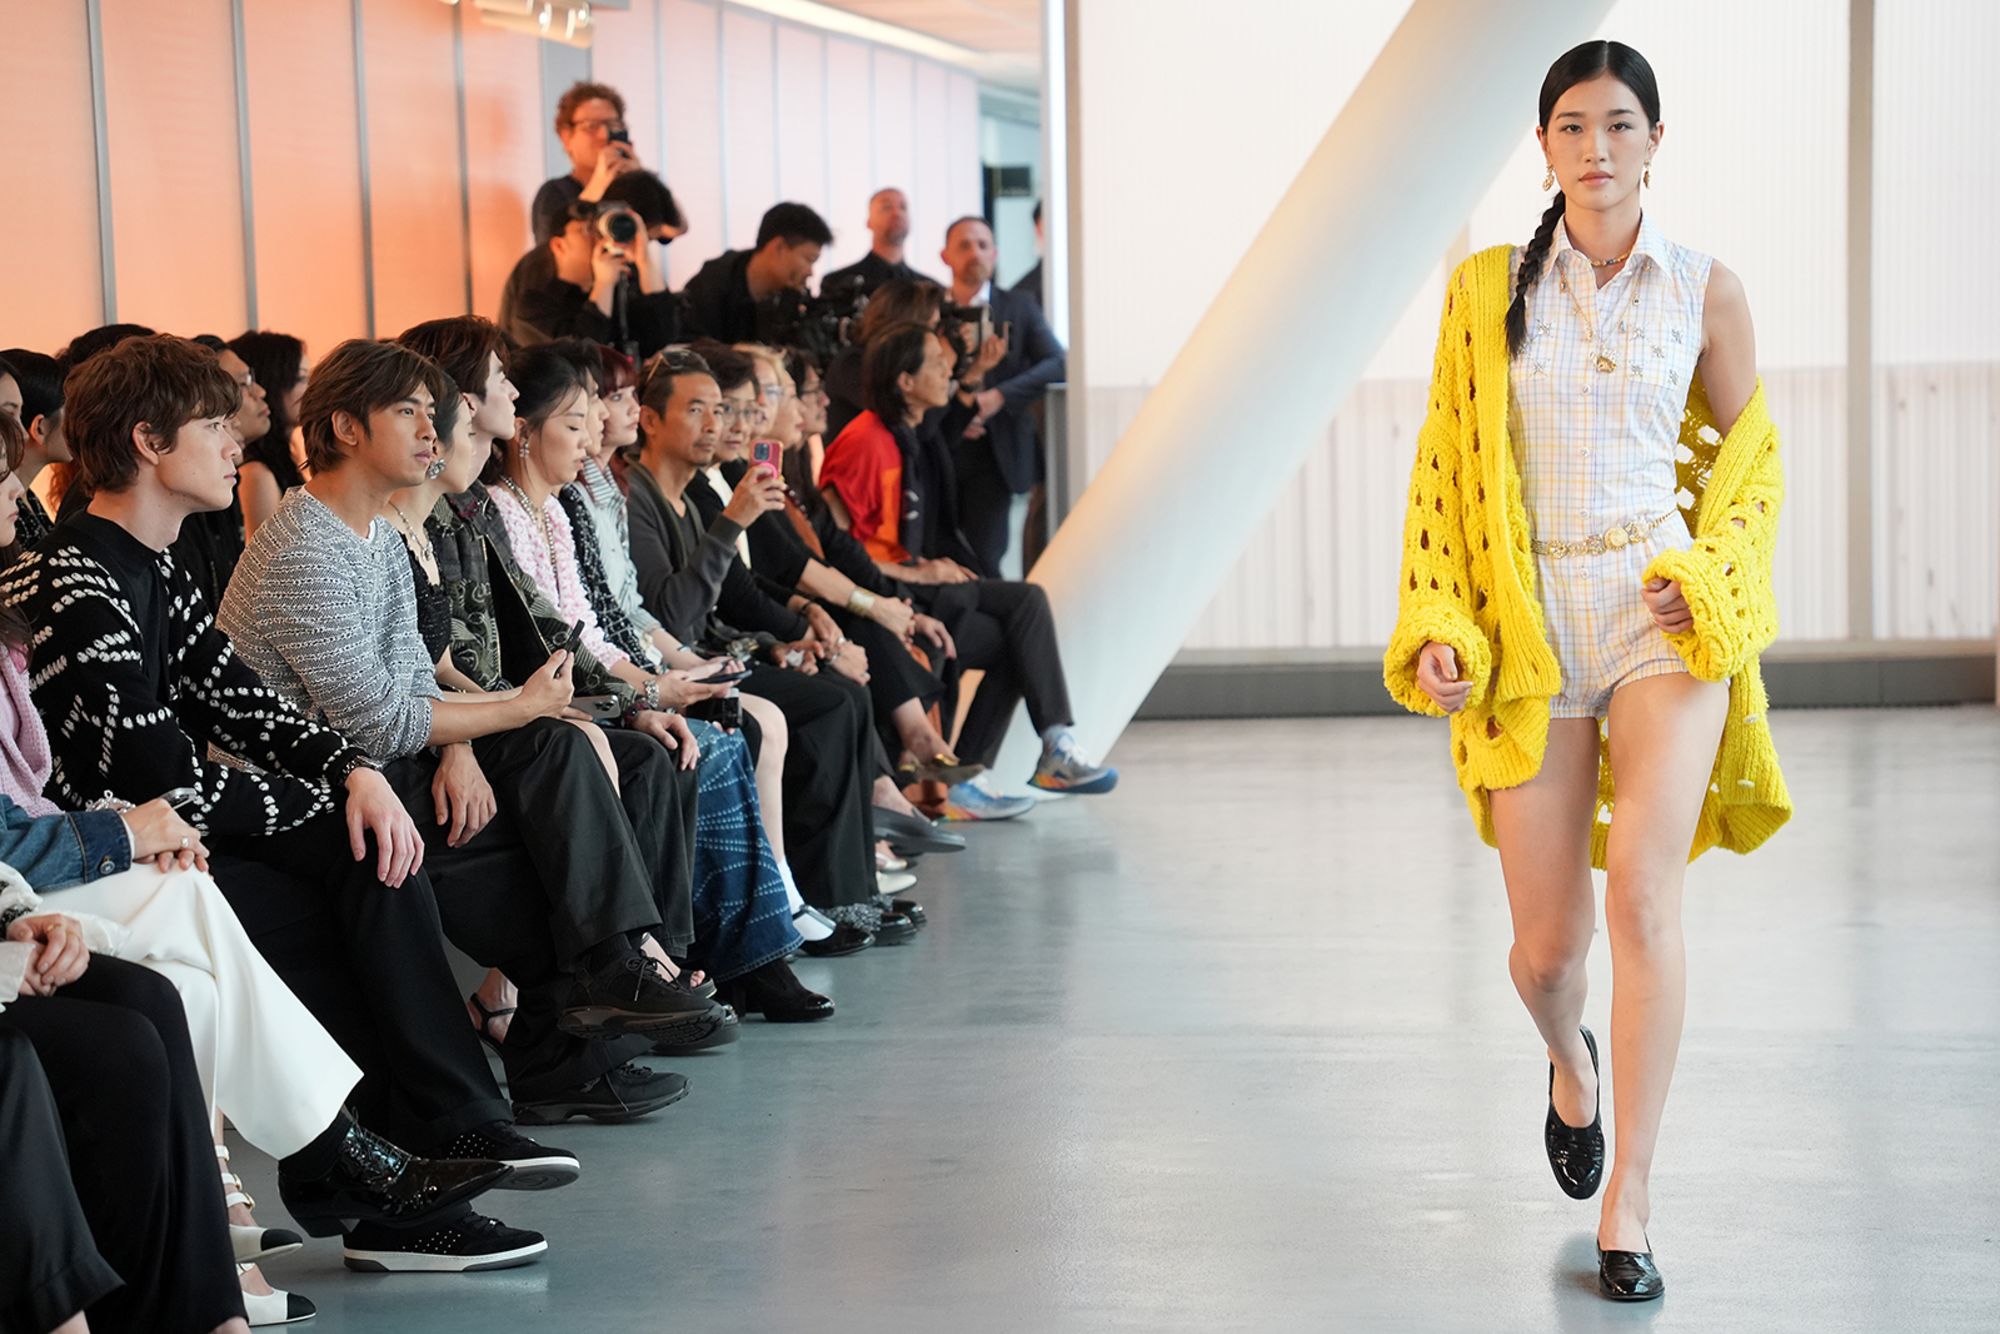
x,y
1629,1276
1576,1153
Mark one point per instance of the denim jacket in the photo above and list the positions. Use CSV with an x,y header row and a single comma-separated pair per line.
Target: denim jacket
x,y
68,848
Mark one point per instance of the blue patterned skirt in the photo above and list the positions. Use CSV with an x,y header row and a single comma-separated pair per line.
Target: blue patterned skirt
x,y
742,918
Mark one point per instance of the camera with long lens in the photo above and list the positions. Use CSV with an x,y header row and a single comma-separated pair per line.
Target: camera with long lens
x,y
619,224
966,329
821,325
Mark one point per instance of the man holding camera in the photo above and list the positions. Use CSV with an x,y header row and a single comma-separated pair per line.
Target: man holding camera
x,y
590,121
597,278
998,457
736,297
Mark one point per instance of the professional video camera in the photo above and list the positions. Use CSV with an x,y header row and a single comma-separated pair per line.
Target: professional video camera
x,y
821,325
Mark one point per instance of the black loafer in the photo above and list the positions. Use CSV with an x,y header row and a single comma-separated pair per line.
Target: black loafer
x,y
844,940
1576,1153
775,992
374,1181
1629,1276
910,908
913,833
896,929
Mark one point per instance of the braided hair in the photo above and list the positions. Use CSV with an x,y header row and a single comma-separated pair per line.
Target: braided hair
x,y
1579,64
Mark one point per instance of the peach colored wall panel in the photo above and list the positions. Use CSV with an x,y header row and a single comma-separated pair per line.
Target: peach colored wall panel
x,y
305,169
415,219
176,187
503,153
45,83
626,54
690,43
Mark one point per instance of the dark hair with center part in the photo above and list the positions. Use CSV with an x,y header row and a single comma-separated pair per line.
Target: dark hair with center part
x,y
895,352
360,377
275,359
547,377
1579,64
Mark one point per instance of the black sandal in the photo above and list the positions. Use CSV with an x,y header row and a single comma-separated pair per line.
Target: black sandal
x,y
486,1018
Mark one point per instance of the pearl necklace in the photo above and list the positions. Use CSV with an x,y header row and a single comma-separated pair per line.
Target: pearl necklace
x,y
541,518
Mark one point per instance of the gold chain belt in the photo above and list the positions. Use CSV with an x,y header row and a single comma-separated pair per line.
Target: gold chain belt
x,y
1614,538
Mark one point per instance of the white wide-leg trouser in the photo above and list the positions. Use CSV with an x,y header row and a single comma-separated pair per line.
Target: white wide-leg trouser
x,y
265,1062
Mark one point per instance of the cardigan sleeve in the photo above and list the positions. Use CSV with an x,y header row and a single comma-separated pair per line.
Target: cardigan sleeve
x,y
1726,575
1433,590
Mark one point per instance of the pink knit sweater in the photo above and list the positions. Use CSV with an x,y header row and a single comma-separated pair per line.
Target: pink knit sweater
x,y
24,745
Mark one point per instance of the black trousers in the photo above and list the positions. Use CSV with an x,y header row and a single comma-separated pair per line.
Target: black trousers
x,y
369,962
50,1268
985,504
830,770
1004,628
894,677
560,868
114,1047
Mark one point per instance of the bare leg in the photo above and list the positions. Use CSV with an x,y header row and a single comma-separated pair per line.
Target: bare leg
x,y
600,745
76,1324
1543,828
233,1327
496,993
770,768
889,797
1663,733
913,727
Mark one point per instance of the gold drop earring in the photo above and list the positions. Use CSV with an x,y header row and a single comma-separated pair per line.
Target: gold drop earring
x,y
1550,178
1646,176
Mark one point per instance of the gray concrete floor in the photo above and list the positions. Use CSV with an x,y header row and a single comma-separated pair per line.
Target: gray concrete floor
x,y
1235,1049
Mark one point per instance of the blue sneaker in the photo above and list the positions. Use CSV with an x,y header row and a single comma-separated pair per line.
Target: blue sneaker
x,y
1065,768
970,801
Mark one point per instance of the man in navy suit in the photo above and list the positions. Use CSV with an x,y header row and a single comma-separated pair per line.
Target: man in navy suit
x,y
998,457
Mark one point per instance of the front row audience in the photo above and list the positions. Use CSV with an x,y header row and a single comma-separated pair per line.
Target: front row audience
x,y
580,665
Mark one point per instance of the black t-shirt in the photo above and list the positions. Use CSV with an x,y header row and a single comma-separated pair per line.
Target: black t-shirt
x,y
536,306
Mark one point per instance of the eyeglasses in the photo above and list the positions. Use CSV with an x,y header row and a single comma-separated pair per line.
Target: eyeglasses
x,y
604,127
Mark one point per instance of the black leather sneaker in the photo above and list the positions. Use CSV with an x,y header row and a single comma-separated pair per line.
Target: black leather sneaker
x,y
373,1181
633,997
535,1166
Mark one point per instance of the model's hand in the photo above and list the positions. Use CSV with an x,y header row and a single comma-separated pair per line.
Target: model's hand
x,y
161,837
760,492
851,661
678,689
894,615
807,654
372,808
548,692
461,794
820,624
670,730
1670,609
1437,676
60,955
931,628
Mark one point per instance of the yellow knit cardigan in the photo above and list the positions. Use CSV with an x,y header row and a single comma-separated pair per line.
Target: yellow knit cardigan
x,y
1468,579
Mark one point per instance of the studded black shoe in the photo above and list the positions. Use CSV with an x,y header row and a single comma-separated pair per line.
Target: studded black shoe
x,y
1576,1153
1629,1276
